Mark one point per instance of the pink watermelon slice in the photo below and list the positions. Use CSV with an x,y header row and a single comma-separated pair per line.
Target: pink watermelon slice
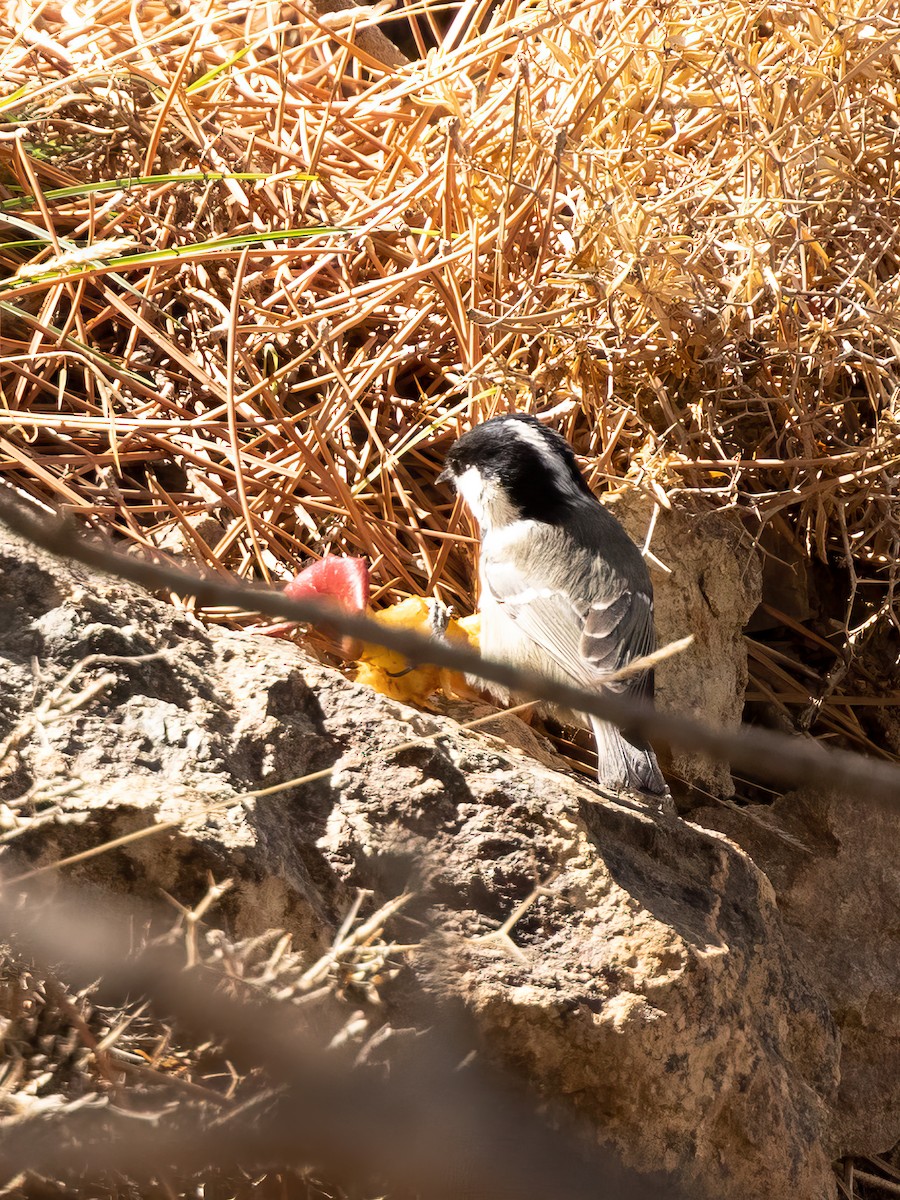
x,y
343,580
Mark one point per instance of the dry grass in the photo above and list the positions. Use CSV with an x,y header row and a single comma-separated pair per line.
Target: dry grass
x,y
673,226
63,1051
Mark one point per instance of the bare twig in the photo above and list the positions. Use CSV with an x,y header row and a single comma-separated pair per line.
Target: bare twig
x,y
772,756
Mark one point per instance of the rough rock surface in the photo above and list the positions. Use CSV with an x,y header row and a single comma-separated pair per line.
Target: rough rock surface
x,y
649,985
839,899
707,581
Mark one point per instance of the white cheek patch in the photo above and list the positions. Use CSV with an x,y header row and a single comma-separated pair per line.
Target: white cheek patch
x,y
470,486
486,500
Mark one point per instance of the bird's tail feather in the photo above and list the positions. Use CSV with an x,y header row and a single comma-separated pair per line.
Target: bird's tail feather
x,y
628,762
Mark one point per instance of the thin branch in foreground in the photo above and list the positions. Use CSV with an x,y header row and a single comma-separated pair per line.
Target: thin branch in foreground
x,y
766,754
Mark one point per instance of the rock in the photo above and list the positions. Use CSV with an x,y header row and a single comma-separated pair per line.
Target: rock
x,y
839,894
707,581
648,986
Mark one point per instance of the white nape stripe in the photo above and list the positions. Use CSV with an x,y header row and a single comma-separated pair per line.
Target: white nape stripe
x,y
547,454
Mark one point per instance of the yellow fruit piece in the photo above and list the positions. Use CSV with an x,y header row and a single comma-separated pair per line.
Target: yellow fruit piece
x,y
390,673
471,629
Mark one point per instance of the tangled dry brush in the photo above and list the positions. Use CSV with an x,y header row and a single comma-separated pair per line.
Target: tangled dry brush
x,y
262,265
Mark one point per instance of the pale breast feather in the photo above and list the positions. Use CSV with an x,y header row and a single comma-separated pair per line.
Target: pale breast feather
x,y
590,627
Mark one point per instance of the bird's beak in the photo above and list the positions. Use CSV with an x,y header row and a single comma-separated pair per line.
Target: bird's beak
x,y
446,476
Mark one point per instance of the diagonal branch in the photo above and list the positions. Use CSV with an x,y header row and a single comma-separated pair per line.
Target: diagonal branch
x,y
773,756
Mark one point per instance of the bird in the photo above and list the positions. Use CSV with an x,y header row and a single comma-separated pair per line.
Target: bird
x,y
564,591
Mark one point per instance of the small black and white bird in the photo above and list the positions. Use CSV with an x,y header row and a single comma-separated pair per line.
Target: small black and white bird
x,y
564,590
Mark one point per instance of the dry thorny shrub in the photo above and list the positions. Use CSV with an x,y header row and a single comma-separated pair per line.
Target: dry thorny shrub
x,y
673,227
65,1053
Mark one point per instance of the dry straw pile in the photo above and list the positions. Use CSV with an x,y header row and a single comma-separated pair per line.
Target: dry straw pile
x,y
261,267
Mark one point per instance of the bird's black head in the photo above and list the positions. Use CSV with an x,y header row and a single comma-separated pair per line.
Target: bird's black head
x,y
516,461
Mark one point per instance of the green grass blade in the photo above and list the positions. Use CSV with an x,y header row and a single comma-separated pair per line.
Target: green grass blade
x,y
115,185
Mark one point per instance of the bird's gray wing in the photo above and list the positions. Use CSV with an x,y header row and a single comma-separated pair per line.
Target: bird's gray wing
x,y
619,629
589,641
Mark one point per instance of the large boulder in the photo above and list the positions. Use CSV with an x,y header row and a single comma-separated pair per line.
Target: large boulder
x,y
648,985
832,863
